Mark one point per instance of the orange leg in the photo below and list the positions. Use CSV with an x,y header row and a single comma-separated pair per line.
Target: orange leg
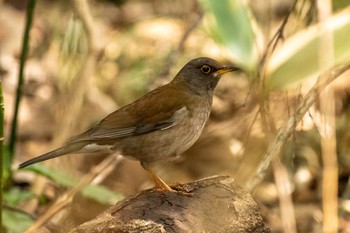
x,y
157,180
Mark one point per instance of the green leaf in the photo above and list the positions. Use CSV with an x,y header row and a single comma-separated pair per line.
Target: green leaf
x,y
6,165
14,196
298,58
230,24
102,194
96,192
16,222
57,176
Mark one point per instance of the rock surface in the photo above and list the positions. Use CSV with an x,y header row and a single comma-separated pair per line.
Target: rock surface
x,y
215,204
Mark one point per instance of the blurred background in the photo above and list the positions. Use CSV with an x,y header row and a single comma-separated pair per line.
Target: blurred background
x,y
88,58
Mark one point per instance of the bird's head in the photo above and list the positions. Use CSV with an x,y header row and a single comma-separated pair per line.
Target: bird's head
x,y
201,75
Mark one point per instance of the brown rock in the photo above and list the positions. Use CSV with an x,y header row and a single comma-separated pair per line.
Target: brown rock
x,y
215,204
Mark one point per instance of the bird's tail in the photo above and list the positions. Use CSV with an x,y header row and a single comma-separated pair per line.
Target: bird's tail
x,y
69,148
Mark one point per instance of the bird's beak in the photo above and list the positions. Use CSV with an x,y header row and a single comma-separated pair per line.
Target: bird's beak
x,y
227,69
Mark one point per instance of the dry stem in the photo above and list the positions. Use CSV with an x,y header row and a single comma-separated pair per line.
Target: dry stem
x,y
327,128
285,132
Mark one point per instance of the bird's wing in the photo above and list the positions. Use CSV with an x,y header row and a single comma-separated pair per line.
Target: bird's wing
x,y
157,110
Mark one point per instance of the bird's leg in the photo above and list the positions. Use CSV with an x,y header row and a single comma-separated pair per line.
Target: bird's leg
x,y
157,180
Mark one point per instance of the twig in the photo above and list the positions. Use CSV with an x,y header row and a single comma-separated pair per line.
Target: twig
x,y
83,12
271,46
269,127
284,189
174,54
23,58
75,96
188,32
18,210
285,132
108,164
95,95
327,128
1,150
81,82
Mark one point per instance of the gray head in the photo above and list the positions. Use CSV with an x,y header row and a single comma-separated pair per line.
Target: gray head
x,y
201,75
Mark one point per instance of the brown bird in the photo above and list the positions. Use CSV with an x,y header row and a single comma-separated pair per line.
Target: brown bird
x,y
160,125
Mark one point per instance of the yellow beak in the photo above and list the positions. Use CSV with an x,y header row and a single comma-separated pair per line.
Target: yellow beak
x,y
227,69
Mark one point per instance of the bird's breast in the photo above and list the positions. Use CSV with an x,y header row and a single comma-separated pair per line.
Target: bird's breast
x,y
193,125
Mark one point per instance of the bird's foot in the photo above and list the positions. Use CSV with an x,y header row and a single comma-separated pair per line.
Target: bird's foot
x,y
160,184
164,187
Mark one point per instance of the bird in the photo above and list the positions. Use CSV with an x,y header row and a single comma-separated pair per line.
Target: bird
x,y
160,125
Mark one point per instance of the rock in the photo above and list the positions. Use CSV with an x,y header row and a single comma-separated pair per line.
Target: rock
x,y
215,204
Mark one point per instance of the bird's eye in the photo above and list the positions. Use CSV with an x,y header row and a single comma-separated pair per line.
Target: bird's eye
x,y
205,69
